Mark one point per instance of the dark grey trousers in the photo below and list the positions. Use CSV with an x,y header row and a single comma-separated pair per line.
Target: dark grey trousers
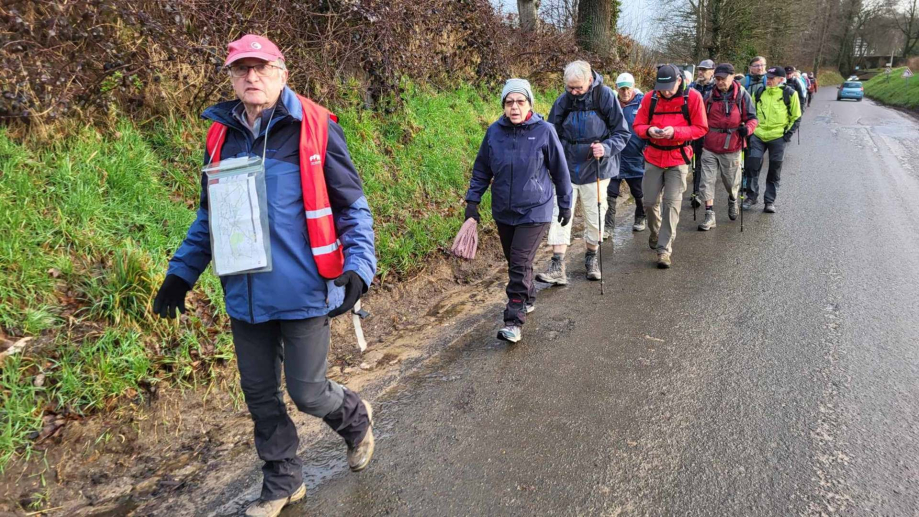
x,y
754,165
302,346
520,244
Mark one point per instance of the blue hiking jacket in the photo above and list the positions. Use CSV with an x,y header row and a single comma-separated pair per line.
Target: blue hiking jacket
x,y
633,155
525,166
293,289
587,123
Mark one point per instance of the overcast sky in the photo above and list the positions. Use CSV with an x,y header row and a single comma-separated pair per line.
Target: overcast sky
x,y
632,20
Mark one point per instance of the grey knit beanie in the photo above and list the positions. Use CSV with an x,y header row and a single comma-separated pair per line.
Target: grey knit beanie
x,y
517,86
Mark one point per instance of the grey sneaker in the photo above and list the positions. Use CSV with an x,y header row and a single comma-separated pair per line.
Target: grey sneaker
x,y
609,222
592,265
510,333
555,274
640,224
652,240
769,208
359,456
663,261
732,209
709,221
263,508
748,203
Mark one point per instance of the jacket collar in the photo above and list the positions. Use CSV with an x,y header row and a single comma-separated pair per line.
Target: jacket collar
x,y
506,122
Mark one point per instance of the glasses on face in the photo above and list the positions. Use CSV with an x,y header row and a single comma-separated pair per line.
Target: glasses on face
x,y
509,103
261,69
575,89
758,65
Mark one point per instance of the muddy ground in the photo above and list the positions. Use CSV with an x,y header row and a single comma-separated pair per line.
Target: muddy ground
x,y
158,458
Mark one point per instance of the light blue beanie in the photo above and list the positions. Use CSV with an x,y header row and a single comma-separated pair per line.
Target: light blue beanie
x,y
517,86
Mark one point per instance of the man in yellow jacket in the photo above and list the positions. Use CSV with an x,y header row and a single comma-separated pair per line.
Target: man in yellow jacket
x,y
779,112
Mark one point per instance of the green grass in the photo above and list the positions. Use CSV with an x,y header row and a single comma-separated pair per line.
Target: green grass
x,y
91,219
895,91
829,78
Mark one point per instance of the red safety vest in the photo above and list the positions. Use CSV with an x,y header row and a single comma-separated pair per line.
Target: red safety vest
x,y
314,137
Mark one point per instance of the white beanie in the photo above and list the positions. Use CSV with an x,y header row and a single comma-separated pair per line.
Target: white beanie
x,y
625,79
517,86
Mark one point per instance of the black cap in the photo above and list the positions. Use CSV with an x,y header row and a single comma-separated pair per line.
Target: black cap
x,y
789,70
666,77
724,70
776,71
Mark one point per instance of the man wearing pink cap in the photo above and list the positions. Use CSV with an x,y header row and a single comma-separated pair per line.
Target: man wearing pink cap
x,y
322,260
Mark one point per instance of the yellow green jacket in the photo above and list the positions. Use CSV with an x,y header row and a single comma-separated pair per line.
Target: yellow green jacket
x,y
773,114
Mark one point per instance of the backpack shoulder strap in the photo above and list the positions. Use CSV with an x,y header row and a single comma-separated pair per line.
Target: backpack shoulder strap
x,y
786,96
652,106
685,107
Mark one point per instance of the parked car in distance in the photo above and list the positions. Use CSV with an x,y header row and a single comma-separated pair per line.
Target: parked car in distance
x,y
851,90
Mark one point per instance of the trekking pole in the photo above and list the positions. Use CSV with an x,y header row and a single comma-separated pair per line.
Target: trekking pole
x,y
799,135
692,198
743,182
599,225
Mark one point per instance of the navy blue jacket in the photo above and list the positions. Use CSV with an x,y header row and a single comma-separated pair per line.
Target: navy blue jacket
x,y
525,166
633,155
585,124
293,289
704,89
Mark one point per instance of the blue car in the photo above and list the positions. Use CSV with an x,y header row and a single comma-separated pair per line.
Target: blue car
x,y
851,90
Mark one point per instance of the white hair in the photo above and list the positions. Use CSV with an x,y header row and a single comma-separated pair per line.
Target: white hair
x,y
578,70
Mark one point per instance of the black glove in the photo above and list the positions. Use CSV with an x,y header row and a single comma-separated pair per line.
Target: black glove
x,y
744,131
787,137
170,297
564,216
354,288
472,211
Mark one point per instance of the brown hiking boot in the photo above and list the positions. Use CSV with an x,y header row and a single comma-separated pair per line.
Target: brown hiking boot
x,y
263,508
663,261
359,456
652,240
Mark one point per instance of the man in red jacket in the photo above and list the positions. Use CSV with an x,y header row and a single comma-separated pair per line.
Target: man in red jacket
x,y
669,119
731,119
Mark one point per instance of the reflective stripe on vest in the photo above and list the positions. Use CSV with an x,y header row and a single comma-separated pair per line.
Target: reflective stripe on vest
x,y
320,223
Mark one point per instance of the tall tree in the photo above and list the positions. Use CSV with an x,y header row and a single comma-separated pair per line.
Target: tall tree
x,y
908,24
593,29
526,10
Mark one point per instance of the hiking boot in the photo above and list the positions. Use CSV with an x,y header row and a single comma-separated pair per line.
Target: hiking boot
x,y
652,240
263,508
769,208
510,333
732,209
663,261
694,200
609,222
709,221
555,274
359,455
593,266
530,308
748,203
640,224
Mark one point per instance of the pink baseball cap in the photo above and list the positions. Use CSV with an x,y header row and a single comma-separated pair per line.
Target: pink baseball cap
x,y
251,45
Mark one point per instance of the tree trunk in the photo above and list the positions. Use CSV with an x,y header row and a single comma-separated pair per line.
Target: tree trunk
x,y
526,10
818,58
593,31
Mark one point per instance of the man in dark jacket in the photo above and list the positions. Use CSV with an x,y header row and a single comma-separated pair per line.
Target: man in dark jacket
x,y
793,79
593,131
756,79
731,118
280,317
704,84
632,160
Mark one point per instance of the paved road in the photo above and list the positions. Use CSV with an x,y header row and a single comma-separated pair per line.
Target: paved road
x,y
770,372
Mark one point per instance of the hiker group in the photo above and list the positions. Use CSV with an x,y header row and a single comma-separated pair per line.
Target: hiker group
x,y
285,222
722,126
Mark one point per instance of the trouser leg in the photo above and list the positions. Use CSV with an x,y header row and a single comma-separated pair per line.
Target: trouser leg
x,y
259,354
774,176
754,165
730,173
613,189
652,185
635,188
710,170
593,215
520,244
674,186
558,234
697,172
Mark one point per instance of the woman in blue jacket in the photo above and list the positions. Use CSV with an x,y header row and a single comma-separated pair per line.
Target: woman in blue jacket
x,y
631,160
522,159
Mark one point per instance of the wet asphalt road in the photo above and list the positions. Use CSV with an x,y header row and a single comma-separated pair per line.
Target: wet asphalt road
x,y
770,372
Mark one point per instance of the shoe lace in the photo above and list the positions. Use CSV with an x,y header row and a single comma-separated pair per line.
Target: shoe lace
x,y
555,266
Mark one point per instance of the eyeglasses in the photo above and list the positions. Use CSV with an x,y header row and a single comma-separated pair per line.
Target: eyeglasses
x,y
758,65
261,69
576,89
509,103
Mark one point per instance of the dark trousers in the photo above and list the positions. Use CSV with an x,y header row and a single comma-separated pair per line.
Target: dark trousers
x,y
755,157
634,187
302,346
697,164
520,244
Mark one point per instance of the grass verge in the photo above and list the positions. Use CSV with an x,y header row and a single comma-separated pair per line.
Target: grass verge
x,y
93,217
829,78
894,89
